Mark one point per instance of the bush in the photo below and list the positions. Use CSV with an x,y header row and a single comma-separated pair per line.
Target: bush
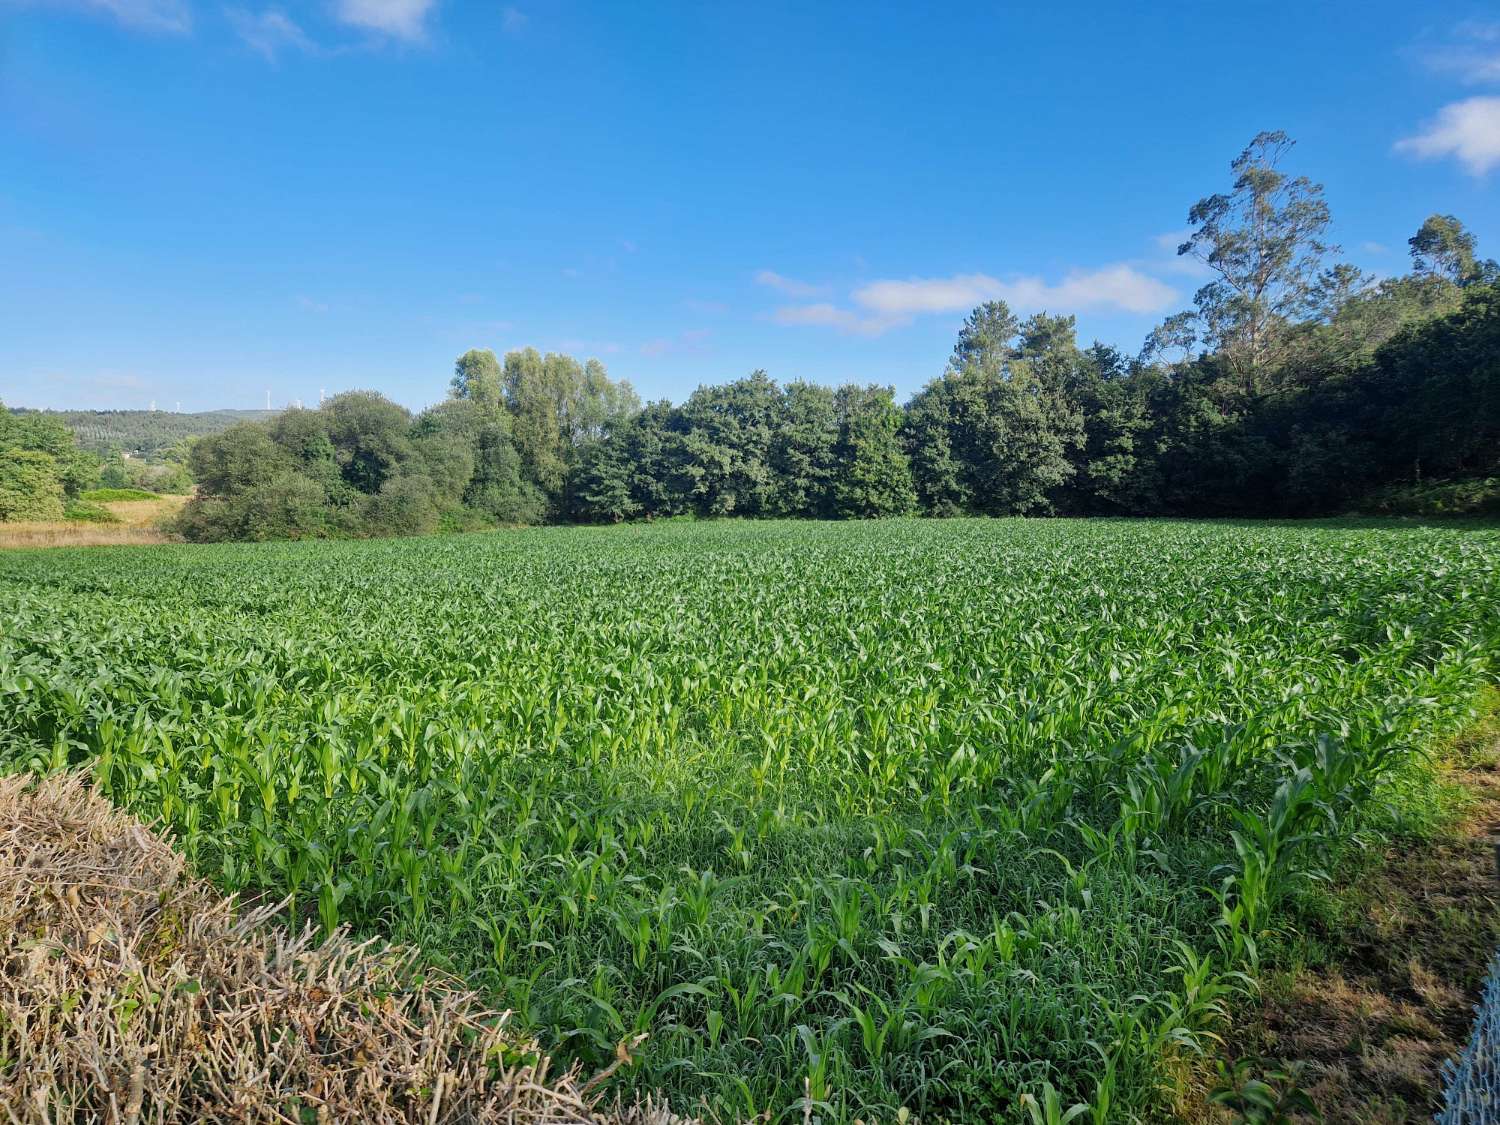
x,y
110,495
286,506
82,511
1477,497
31,486
405,505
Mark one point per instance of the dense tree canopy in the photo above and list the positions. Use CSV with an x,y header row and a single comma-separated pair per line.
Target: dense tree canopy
x,y
41,467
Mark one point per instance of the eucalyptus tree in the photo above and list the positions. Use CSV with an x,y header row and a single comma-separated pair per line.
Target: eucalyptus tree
x,y
1264,242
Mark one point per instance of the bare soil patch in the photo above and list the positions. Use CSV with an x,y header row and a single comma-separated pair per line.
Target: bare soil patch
x,y
1372,1029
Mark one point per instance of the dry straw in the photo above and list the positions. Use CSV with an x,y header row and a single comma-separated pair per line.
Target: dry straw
x,y
132,992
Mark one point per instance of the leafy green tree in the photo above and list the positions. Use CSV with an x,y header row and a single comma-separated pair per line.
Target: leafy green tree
x,y
496,490
996,433
873,476
1436,392
930,426
557,405
602,483
304,437
803,454
1443,248
284,505
477,377
74,468
370,436
1173,340
407,504
1264,241
241,459
655,452
728,444
1112,463
985,342
31,486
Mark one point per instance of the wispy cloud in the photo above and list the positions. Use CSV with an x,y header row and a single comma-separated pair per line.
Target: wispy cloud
x,y
1374,248
308,304
171,16
1468,131
690,342
880,306
705,308
512,20
1118,286
790,286
575,346
269,32
1169,261
400,19
1172,239
831,316
1471,53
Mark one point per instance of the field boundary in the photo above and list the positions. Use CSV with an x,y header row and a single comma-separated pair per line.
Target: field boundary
x,y
1368,1025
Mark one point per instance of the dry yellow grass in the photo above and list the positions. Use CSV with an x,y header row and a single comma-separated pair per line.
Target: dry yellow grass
x,y
139,524
131,993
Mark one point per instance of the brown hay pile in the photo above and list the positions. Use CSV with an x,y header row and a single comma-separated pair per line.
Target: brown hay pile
x,y
131,992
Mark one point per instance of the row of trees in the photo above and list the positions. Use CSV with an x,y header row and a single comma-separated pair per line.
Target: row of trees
x,y
1295,385
501,449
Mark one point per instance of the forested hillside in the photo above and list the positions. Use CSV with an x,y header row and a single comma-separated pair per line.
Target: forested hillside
x,y
145,433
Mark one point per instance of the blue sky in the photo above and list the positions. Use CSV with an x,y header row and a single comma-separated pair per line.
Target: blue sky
x,y
200,202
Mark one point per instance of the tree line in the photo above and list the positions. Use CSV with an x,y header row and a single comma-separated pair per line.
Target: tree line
x,y
1295,385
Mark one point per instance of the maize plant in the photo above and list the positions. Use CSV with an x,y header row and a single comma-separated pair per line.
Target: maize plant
x,y
949,820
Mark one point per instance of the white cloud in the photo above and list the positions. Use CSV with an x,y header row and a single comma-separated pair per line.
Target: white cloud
x,y
1118,286
789,286
401,19
1468,131
1374,248
882,305
308,304
268,32
928,295
512,20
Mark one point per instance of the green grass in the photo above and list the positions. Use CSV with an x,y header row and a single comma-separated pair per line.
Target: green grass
x,y
85,511
921,814
110,495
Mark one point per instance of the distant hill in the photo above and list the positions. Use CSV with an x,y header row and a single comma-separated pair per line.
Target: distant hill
x,y
145,433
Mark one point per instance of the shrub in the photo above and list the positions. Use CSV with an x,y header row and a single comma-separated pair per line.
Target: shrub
x,y
1476,497
31,486
82,511
110,495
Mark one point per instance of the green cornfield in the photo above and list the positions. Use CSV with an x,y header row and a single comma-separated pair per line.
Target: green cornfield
x,y
976,819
